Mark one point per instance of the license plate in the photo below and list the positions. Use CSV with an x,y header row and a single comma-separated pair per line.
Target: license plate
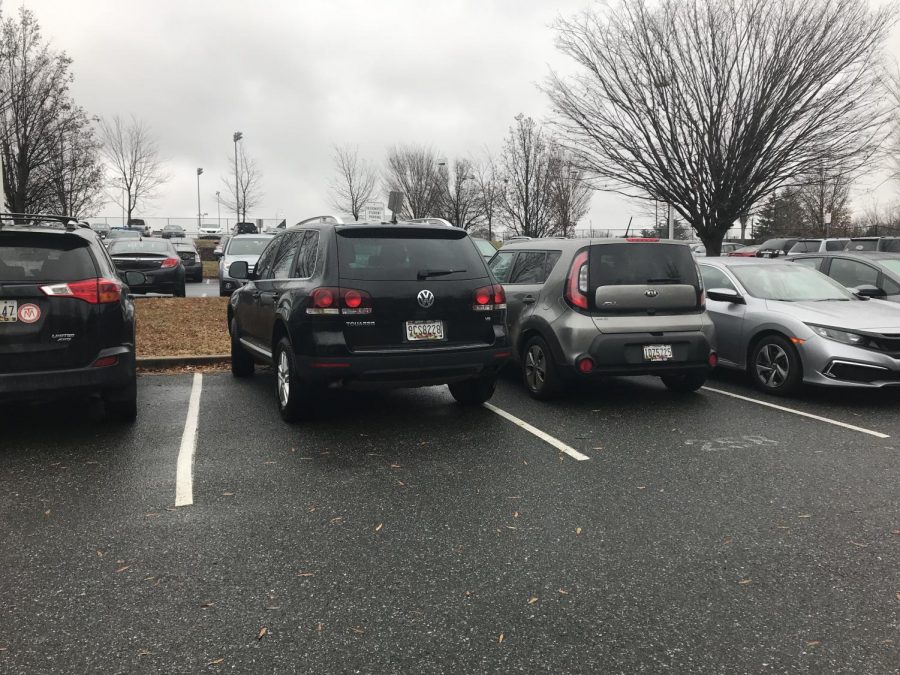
x,y
8,311
657,352
424,330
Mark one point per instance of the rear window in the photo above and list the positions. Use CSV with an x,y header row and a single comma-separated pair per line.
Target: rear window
x,y
891,245
637,264
865,245
407,256
836,244
28,259
248,246
145,246
806,246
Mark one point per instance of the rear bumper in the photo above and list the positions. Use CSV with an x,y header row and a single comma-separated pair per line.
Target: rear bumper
x,y
623,353
54,384
383,371
161,281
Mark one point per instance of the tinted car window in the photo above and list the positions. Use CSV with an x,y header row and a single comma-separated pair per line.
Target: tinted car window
x,y
715,278
309,248
396,256
501,265
641,263
889,244
864,245
529,268
35,258
811,263
264,264
851,273
836,245
889,286
806,246
285,257
247,246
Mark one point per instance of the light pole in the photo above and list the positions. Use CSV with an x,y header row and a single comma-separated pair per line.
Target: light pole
x,y
237,195
199,216
218,210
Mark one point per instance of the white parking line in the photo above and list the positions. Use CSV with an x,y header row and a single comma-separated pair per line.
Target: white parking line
x,y
876,434
547,438
184,473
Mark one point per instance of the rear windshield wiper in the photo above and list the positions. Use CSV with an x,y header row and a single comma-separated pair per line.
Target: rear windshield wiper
x,y
424,274
665,280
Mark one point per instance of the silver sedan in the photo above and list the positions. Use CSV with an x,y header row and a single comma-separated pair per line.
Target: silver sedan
x,y
784,325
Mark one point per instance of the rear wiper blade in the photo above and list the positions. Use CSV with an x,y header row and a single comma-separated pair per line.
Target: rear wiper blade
x,y
424,274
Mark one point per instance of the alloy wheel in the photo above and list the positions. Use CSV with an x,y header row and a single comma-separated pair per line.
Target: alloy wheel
x,y
284,379
535,367
772,366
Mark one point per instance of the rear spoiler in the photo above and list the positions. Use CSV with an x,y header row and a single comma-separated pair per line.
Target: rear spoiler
x,y
7,219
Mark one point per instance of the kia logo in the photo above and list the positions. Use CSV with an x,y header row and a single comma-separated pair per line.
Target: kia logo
x,y
425,298
652,293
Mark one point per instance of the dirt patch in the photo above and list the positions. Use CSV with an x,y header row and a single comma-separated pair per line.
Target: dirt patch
x,y
210,269
181,326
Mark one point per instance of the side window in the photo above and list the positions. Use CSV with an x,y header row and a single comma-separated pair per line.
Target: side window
x,y
309,249
530,268
264,264
811,263
889,286
851,273
836,245
715,278
501,265
281,268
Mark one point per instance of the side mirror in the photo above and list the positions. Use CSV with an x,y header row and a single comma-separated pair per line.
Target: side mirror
x,y
869,291
135,279
725,295
239,270
217,254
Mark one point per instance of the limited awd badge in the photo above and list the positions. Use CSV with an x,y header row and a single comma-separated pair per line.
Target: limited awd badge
x,y
425,298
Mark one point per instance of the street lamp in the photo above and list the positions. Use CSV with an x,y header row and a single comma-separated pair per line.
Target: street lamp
x,y
199,216
219,209
237,199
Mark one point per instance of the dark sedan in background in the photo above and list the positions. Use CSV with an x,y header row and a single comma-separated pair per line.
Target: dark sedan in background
x,y
157,259
190,258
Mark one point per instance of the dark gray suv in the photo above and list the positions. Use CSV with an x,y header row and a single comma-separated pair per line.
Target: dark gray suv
x,y
578,308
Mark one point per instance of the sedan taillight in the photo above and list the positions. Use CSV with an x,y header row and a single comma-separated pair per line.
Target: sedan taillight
x,y
170,262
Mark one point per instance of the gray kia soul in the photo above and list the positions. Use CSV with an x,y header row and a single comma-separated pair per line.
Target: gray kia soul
x,y
581,308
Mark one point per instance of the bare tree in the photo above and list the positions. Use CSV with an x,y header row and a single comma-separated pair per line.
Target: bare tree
x,y
134,161
461,199
413,171
490,189
35,83
571,193
249,185
711,105
354,181
75,167
825,191
891,81
529,173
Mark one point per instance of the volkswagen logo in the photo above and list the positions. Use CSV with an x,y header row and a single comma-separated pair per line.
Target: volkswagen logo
x,y
425,298
652,293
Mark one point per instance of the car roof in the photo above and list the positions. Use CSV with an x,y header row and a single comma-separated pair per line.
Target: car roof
x,y
857,255
561,242
251,236
728,261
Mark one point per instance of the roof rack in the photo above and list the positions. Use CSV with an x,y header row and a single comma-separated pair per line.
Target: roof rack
x,y
32,218
334,220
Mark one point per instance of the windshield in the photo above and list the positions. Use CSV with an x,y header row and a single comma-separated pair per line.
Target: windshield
x,y
789,283
248,246
142,246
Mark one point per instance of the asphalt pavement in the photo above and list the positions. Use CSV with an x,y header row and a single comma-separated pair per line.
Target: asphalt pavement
x,y
208,288
722,532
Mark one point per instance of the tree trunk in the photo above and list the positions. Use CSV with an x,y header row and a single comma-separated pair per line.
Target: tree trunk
x,y
713,243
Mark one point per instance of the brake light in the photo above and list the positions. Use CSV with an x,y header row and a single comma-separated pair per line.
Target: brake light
x,y
105,362
639,239
331,300
170,262
577,281
488,298
93,291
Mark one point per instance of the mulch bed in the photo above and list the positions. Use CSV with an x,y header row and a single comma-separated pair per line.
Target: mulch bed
x,y
181,326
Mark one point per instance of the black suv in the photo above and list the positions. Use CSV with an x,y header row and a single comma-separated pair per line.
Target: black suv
x,y
369,306
66,319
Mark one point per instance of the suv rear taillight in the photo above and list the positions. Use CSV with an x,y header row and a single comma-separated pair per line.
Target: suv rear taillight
x,y
332,300
577,281
488,298
170,262
93,291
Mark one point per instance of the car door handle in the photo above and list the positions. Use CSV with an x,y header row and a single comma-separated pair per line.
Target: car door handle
x,y
529,299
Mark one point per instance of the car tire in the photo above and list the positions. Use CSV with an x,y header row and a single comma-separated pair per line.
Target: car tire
x,y
684,383
539,372
121,404
775,366
474,392
180,290
223,293
242,364
294,396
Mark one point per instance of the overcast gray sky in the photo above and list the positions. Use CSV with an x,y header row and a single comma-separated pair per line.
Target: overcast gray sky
x,y
297,76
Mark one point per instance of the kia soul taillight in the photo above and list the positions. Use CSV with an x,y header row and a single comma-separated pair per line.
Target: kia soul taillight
x,y
577,281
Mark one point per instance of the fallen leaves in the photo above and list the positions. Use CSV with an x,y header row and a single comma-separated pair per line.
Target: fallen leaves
x,y
532,600
813,643
378,527
100,553
577,531
805,515
358,630
306,574
727,541
337,521
858,544
181,326
563,591
144,652
262,633
744,582
207,605
500,638
215,662
47,513
897,595
641,487
122,569
895,532
152,514
228,494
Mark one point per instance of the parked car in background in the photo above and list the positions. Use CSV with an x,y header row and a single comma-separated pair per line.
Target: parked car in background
x,y
244,228
816,245
744,252
173,232
220,246
209,230
368,306
190,258
774,248
120,233
582,308
66,319
242,247
156,259
485,248
874,274
785,324
885,244
140,225
102,229
699,250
